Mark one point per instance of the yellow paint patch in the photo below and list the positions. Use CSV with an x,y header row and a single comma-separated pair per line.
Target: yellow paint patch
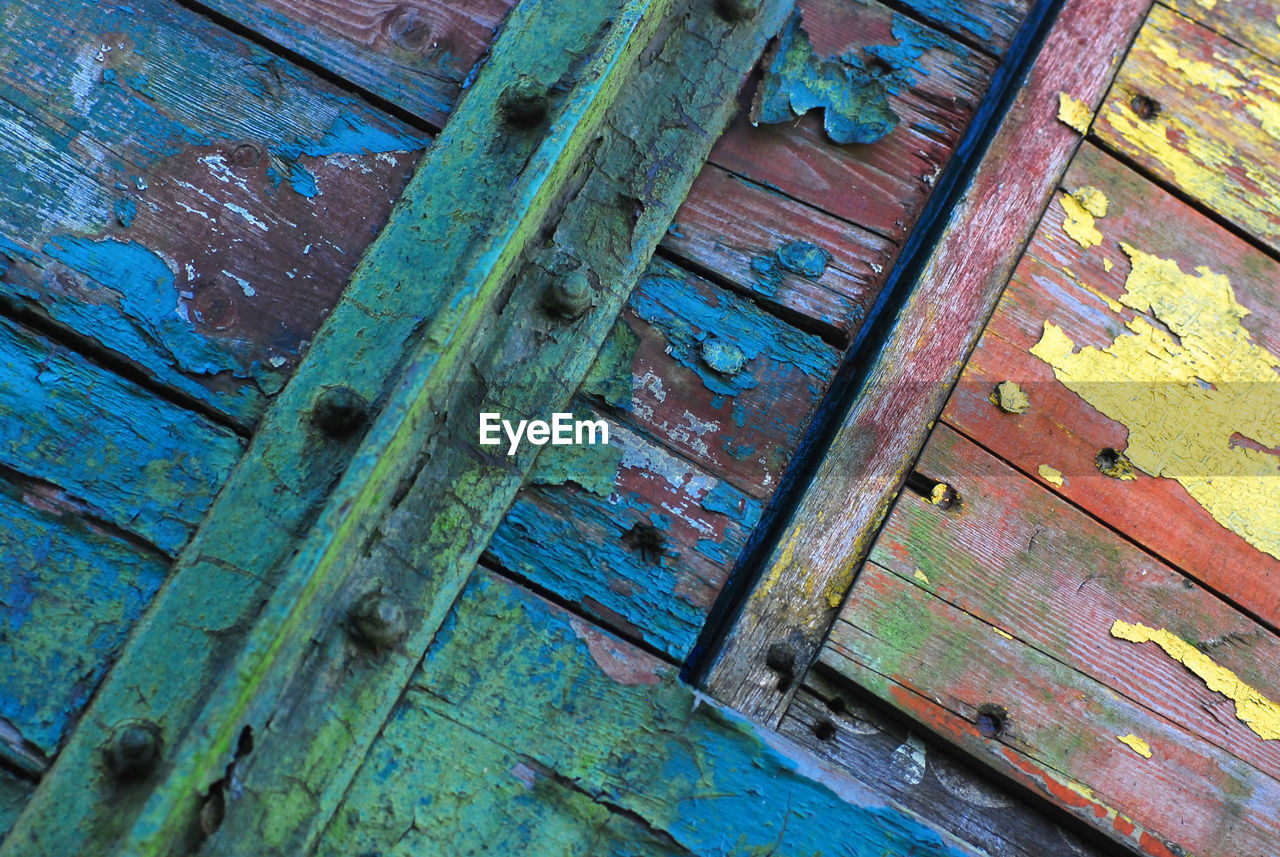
x,y
1107,266
1252,708
1206,4
1092,200
1079,223
1190,398
1136,744
920,576
1010,398
1050,474
1074,113
1002,633
938,495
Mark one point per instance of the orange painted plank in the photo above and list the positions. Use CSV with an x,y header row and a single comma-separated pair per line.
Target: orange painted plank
x,y
881,186
1030,564
1060,282
1057,727
1203,114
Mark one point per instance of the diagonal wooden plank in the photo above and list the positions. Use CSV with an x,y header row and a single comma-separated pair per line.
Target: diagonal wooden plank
x,y
806,576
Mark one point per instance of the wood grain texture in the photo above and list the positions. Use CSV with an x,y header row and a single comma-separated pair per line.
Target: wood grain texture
x,y
412,53
989,25
814,270
175,197
571,705
128,458
1077,289
1212,120
808,574
638,539
1252,23
1059,728
882,186
921,774
1028,563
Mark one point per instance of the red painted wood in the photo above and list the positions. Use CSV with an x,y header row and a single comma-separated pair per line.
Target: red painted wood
x,y
881,186
1062,430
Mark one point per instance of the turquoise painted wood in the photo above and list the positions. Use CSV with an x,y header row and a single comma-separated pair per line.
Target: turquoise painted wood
x,y
558,705
124,456
174,197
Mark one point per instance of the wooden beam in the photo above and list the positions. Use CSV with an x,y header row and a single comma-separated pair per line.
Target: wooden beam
x,y
792,603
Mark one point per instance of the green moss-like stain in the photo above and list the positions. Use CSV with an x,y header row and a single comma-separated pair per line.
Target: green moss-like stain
x,y
853,99
610,377
592,466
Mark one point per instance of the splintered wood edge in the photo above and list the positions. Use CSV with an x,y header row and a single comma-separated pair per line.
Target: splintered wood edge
x,y
794,600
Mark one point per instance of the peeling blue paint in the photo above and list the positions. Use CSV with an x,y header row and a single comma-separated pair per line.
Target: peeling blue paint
x,y
126,210
804,258
954,16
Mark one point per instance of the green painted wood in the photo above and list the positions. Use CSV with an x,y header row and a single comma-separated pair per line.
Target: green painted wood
x,y
14,794
173,196
129,458
569,705
70,594
413,54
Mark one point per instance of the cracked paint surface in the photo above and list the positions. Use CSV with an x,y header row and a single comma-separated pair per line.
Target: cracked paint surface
x,y
1200,398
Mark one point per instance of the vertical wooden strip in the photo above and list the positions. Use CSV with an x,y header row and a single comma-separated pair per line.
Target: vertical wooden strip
x,y
792,604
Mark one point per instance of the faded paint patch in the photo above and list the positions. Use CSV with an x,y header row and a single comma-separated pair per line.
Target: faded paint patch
x,y
1200,399
620,662
1074,113
1136,744
854,99
1252,708
919,575
1052,475
593,466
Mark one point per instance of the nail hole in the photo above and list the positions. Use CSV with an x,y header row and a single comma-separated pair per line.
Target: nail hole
x,y
836,705
1145,107
824,730
781,658
877,67
1113,463
245,155
991,720
646,540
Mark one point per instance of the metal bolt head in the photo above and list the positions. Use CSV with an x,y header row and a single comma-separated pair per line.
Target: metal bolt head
x,y
568,295
723,358
378,619
524,101
133,750
737,10
339,411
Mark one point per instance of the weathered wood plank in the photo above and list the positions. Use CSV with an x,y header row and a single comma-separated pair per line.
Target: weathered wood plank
x,y
1204,115
584,708
1078,290
791,606
1252,23
136,461
174,202
14,794
716,379
412,54
639,539
1026,562
71,594
921,774
1051,727
934,86
804,264
987,24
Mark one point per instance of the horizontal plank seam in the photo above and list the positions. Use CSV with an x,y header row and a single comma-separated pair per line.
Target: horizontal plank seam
x,y
963,38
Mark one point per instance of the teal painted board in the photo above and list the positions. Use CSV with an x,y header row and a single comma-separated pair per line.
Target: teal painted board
x,y
987,24
413,54
14,793
579,707
639,539
176,188
69,595
130,459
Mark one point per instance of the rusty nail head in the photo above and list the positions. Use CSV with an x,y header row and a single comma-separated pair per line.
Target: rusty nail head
x,y
378,619
339,411
723,358
134,749
568,295
524,102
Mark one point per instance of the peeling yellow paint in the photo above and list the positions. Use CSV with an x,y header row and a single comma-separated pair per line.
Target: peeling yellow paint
x,y
1092,200
1074,113
1206,4
1050,474
1079,223
938,495
1010,398
1255,710
1002,632
920,576
1136,744
1188,399
1107,265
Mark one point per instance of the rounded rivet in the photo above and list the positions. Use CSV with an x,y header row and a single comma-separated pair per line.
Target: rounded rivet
x,y
339,411
1144,107
524,102
568,295
134,749
379,620
246,155
407,29
723,358
943,495
737,10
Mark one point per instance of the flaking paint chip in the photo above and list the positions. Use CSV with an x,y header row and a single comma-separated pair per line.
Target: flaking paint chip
x,y
1051,474
1136,744
1074,113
